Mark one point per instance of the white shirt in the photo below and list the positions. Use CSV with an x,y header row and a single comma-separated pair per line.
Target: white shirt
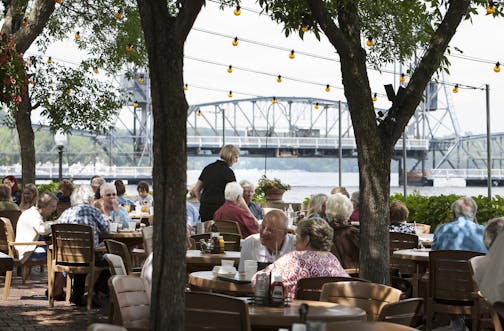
x,y
29,226
252,249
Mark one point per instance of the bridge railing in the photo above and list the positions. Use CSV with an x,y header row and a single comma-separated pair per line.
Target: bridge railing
x,y
497,173
292,142
81,171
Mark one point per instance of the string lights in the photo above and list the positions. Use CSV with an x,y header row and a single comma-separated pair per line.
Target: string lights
x,y
186,87
304,28
128,48
328,88
95,70
279,78
497,67
235,41
230,94
198,113
141,79
402,78
230,69
316,105
237,11
49,60
490,9
135,104
375,97
118,15
25,22
292,55
369,41
77,36
455,88
274,100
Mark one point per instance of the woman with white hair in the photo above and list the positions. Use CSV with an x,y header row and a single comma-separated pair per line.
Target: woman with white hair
x,y
248,193
346,237
111,210
235,209
317,206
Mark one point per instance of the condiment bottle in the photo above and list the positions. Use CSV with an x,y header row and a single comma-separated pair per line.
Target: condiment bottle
x,y
277,291
221,244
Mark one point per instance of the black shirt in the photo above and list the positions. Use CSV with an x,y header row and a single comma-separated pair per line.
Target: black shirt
x,y
214,176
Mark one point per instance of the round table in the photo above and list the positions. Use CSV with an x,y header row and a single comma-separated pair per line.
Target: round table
x,y
206,280
414,254
195,261
284,317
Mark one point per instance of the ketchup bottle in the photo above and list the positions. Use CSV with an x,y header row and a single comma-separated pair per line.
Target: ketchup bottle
x,y
277,292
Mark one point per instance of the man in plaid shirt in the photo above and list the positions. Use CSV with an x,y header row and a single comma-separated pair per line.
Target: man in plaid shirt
x,y
83,213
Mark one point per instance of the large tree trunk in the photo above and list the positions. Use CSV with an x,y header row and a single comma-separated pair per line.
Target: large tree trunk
x,y
165,37
26,139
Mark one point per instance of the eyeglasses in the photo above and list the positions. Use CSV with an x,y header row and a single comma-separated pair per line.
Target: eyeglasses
x,y
110,195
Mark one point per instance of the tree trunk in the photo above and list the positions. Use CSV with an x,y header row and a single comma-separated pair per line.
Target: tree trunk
x,y
26,139
165,37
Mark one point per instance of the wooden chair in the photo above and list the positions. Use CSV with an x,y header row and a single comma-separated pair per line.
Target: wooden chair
x,y
231,240
402,312
403,241
451,287
13,216
228,226
60,208
73,252
116,264
368,296
310,288
131,301
147,235
211,311
7,240
120,249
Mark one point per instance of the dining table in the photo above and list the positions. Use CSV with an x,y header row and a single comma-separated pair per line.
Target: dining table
x,y
426,239
197,261
273,318
132,239
208,281
420,257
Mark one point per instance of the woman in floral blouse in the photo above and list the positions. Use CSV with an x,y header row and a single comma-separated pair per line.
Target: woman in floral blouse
x,y
311,258
398,216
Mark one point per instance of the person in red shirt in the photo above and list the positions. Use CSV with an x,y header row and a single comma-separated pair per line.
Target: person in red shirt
x,y
235,209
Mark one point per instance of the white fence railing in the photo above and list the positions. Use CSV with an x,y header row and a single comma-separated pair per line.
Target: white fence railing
x,y
466,173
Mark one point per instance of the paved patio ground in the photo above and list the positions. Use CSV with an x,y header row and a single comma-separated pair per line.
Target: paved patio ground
x,y
27,308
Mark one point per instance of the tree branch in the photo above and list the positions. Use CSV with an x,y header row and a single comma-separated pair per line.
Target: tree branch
x,y
186,17
39,16
404,108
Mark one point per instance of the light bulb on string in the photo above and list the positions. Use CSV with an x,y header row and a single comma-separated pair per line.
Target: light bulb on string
x,y
186,87
198,113
490,9
369,41
292,55
58,1
375,97
230,94
455,88
141,79
274,100
49,60
279,78
402,78
230,69
497,67
135,104
102,97
128,48
328,88
304,28
118,15
235,41
95,70
77,36
25,22
316,105
237,11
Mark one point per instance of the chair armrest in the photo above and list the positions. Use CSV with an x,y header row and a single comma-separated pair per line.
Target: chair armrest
x,y
27,243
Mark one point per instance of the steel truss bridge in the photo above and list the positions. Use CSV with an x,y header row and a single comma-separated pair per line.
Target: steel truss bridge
x,y
290,127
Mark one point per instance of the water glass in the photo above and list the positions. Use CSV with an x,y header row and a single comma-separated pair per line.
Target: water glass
x,y
250,268
113,227
132,226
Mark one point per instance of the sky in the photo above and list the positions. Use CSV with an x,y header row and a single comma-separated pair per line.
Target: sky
x,y
482,39
263,53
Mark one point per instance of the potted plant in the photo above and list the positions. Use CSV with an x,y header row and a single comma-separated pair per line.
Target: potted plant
x,y
270,189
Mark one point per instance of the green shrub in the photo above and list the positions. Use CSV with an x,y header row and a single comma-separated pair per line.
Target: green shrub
x,y
51,187
435,210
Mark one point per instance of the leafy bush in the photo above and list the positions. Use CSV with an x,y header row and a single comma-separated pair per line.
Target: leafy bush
x,y
51,187
435,210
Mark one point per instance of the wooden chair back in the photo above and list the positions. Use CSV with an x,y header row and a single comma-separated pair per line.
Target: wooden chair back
x,y
231,240
402,241
131,301
61,207
120,249
451,286
116,264
368,296
310,288
147,235
7,245
211,311
13,216
403,312
73,252
228,226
